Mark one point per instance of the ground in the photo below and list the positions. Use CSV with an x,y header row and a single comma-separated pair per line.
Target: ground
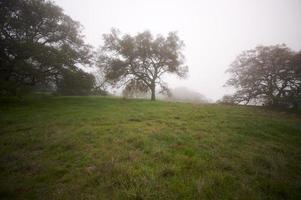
x,y
109,148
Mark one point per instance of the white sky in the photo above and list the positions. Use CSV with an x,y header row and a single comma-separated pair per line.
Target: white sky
x,y
214,31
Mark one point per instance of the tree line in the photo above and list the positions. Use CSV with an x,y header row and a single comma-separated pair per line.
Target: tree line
x,y
43,49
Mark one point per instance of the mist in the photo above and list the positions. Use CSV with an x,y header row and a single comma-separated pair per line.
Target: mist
x,y
115,99
214,32
184,94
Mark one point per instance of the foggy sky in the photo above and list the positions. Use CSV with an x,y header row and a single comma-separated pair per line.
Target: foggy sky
x,y
214,31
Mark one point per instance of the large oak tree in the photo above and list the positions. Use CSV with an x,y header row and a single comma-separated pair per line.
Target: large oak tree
x,y
269,74
38,43
139,62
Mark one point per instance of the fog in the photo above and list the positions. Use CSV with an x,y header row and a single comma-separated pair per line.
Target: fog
x,y
183,94
214,31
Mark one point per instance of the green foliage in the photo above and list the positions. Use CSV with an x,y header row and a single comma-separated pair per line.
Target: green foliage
x,y
75,82
106,148
38,41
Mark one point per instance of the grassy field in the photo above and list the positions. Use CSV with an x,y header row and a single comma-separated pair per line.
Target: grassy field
x,y
106,148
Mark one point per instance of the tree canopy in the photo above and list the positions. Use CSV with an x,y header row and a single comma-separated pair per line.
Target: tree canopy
x,y
38,43
269,74
75,82
139,62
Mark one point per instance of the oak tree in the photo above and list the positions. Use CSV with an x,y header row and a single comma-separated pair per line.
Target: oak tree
x,y
269,74
38,41
141,61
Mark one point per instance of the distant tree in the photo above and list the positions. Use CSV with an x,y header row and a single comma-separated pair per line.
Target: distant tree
x,y
75,82
99,92
140,61
227,99
267,73
38,42
134,89
184,94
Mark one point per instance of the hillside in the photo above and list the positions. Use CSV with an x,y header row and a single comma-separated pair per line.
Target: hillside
x,y
106,148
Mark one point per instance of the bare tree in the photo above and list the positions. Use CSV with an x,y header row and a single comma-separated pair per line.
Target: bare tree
x,y
140,61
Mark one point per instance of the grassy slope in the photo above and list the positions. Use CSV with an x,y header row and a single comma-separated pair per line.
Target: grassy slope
x,y
101,148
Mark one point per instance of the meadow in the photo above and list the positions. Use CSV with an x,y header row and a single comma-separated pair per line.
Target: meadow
x,y
110,148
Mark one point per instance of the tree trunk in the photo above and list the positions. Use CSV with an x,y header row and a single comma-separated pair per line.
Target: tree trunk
x,y
153,91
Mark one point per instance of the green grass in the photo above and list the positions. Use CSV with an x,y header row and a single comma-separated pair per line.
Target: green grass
x,y
106,148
